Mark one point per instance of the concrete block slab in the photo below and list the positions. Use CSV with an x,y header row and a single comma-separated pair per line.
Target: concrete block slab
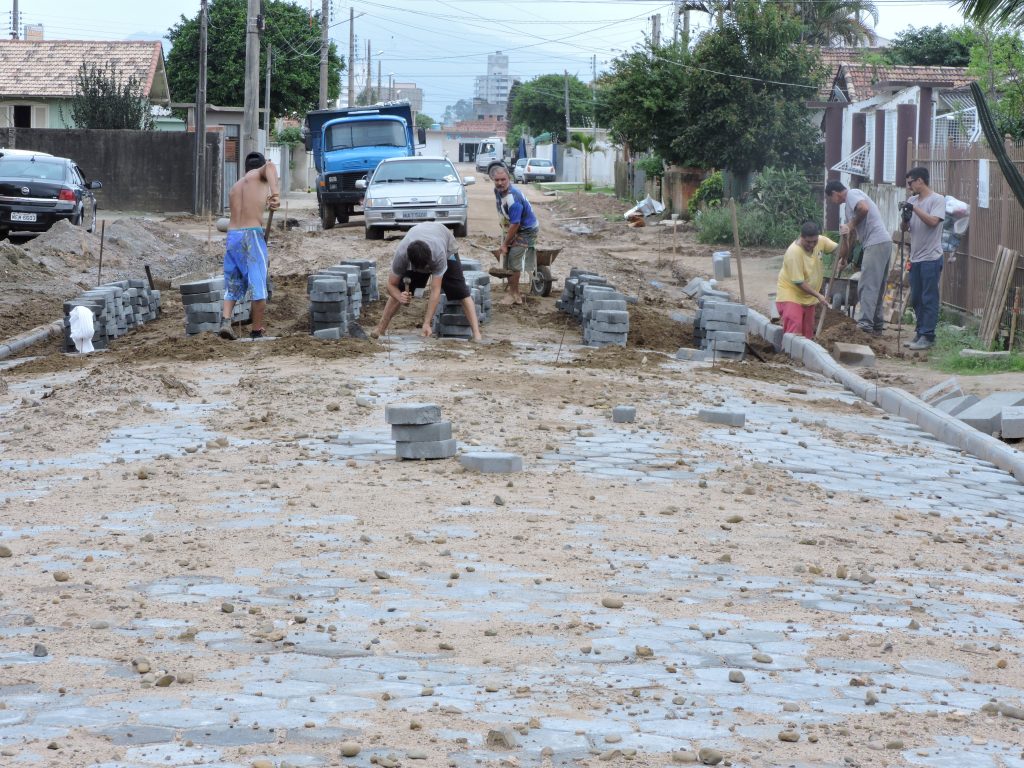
x,y
738,337
688,353
502,463
853,354
417,433
328,333
1011,423
957,405
412,413
426,449
611,316
986,415
202,286
944,390
624,414
622,328
722,416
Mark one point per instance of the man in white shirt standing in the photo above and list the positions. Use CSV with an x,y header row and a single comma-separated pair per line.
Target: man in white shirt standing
x,y
864,217
926,211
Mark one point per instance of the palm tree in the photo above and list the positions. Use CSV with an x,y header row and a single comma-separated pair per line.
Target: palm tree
x,y
587,144
837,22
1009,13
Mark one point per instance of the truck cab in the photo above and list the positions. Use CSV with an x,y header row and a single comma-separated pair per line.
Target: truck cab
x,y
348,145
489,152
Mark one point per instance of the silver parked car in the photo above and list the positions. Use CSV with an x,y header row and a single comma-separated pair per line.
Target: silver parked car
x,y
538,170
404,191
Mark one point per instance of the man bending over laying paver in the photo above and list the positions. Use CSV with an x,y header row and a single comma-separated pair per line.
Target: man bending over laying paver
x,y
428,251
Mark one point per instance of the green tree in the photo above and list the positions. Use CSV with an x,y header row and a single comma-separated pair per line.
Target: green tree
x,y
424,121
743,97
587,144
639,99
835,22
540,103
459,111
1008,13
288,28
105,98
937,46
997,60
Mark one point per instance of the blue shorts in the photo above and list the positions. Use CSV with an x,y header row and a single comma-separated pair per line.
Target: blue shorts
x,y
245,264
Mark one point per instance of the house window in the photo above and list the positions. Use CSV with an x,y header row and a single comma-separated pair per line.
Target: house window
x,y
22,116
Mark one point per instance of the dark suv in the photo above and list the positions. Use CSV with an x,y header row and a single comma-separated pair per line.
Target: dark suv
x,y
37,190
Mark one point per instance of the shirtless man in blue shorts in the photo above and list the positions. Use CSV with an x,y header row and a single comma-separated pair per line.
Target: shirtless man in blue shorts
x,y
245,258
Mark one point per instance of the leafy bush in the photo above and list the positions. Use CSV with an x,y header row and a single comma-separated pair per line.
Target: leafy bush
x,y
652,165
709,194
785,195
756,228
290,135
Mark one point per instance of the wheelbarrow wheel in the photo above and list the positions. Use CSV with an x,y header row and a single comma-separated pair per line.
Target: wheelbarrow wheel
x,y
541,284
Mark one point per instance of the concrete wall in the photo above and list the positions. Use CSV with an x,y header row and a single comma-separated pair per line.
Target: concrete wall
x,y
140,170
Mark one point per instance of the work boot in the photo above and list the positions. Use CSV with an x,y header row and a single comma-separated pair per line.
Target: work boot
x,y
226,331
922,343
912,342
257,333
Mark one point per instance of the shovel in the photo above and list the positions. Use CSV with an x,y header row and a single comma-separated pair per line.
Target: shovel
x,y
266,239
842,253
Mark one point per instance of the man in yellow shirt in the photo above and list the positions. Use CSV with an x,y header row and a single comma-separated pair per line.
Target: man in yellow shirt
x,y
799,286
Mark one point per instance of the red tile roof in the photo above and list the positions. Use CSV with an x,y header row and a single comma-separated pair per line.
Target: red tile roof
x,y
49,68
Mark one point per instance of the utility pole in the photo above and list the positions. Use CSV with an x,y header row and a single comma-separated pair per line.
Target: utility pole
x,y
369,74
378,80
325,44
675,21
250,134
199,197
15,26
656,30
566,75
593,91
266,91
686,26
351,56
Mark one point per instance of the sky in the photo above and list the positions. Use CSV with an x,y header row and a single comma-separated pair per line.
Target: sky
x,y
441,45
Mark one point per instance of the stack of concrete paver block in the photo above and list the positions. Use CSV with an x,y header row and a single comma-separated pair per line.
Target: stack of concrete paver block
x,y
601,310
117,307
329,304
986,415
418,431
367,278
204,302
721,263
721,327
450,319
1000,414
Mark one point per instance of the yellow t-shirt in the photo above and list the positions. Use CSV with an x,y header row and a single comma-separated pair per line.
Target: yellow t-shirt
x,y
799,266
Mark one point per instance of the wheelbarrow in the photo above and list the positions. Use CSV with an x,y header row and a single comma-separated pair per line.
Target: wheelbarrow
x,y
541,280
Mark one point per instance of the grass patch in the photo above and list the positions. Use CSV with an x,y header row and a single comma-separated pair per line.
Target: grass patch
x,y
945,356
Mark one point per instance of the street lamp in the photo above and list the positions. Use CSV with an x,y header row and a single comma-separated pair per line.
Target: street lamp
x,y
391,86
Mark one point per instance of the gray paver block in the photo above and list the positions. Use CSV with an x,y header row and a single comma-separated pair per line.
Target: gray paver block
x,y
722,416
688,353
719,337
201,298
411,433
1012,422
614,338
622,328
944,390
986,415
426,449
492,462
693,287
412,413
957,405
853,354
611,316
328,333
624,414
202,286
330,284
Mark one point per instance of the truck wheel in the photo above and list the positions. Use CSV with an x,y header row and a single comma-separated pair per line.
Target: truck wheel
x,y
327,216
374,233
341,213
461,230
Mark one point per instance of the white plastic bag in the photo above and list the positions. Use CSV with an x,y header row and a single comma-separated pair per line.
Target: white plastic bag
x,y
645,207
956,209
82,329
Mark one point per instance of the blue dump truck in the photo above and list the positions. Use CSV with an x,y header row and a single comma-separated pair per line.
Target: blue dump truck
x,y
348,144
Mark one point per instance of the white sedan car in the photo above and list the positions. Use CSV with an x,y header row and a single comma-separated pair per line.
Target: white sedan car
x,y
405,191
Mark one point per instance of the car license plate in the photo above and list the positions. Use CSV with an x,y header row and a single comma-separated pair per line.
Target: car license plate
x,y
15,216
414,214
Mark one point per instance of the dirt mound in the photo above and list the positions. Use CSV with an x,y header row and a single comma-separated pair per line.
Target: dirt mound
x,y
652,328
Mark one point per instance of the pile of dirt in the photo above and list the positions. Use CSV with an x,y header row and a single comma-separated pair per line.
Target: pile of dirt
x,y
839,327
651,327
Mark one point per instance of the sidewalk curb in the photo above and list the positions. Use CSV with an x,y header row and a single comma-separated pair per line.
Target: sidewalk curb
x,y
896,401
17,343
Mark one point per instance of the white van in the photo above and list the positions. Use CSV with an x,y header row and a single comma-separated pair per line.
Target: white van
x,y
489,151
